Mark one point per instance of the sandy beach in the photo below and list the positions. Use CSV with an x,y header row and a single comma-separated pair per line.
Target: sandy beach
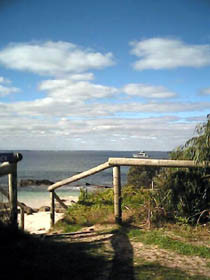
x,y
39,223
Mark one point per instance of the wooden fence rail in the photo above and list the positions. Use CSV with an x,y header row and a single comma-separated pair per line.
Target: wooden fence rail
x,y
67,181
79,176
6,168
156,162
115,163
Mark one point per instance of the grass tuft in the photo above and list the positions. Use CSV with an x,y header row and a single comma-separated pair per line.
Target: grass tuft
x,y
158,238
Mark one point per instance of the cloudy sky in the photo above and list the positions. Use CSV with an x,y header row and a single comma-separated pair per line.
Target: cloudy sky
x,y
103,75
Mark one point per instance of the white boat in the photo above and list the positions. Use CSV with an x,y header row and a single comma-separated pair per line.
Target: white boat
x,y
141,155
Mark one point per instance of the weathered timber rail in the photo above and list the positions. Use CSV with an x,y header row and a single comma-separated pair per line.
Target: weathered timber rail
x,y
79,176
8,167
155,162
115,163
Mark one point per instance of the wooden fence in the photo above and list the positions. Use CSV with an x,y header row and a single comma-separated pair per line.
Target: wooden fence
x,y
8,166
115,163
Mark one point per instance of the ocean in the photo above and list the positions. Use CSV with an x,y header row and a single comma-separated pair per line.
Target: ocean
x,y
58,165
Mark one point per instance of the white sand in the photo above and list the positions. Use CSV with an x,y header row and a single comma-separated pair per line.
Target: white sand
x,y
39,222
38,199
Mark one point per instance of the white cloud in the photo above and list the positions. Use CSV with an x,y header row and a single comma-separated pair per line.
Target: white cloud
x,y
171,107
6,89
161,53
205,91
134,109
76,106
4,81
53,58
68,91
148,91
73,114
66,133
82,77
58,122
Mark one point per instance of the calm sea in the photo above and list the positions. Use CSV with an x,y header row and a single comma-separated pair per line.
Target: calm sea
x,y
58,165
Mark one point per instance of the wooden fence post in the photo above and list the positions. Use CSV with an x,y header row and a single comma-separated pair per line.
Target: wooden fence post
x,y
52,208
22,218
12,180
117,194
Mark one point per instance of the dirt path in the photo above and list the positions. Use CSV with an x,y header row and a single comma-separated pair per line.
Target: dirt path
x,y
192,265
126,256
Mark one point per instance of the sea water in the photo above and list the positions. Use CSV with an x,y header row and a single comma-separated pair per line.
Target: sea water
x,y
37,196
58,165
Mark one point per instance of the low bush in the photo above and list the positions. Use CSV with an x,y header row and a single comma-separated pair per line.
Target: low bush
x,y
185,195
139,206
92,208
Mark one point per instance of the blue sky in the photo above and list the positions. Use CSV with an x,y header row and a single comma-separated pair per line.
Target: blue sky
x,y
103,75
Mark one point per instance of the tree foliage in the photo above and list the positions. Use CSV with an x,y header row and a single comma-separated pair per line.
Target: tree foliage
x,y
187,190
141,176
198,147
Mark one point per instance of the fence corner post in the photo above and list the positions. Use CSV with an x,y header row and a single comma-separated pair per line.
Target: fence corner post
x,y
52,208
117,194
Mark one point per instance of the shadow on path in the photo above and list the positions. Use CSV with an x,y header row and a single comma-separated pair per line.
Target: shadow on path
x,y
33,258
25,256
122,264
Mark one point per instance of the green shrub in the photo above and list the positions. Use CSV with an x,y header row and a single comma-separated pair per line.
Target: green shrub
x,y
96,198
188,190
92,207
98,207
133,197
141,176
185,195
